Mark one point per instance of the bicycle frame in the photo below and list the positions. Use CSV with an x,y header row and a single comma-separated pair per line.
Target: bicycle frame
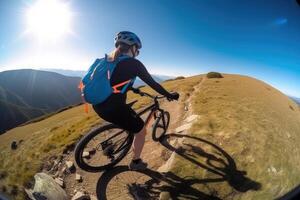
x,y
152,108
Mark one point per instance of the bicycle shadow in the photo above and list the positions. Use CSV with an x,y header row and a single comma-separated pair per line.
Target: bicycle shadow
x,y
174,186
219,162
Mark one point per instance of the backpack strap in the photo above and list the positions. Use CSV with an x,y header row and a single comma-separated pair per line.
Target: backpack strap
x,y
80,87
93,73
125,84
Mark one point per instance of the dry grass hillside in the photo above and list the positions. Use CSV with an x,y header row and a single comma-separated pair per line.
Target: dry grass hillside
x,y
244,144
42,140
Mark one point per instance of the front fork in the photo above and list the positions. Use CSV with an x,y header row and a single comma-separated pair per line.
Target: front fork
x,y
155,114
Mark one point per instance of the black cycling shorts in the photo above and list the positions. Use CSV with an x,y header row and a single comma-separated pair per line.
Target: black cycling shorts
x,y
123,116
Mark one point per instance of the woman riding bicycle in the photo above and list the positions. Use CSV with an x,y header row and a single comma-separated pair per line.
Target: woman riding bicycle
x,y
114,109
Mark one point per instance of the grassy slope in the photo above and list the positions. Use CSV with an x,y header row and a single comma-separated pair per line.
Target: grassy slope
x,y
16,114
40,140
50,136
257,126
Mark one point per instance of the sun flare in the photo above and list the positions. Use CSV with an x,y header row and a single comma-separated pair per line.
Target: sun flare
x,y
48,19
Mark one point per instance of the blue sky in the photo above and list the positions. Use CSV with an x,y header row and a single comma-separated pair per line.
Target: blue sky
x,y
257,38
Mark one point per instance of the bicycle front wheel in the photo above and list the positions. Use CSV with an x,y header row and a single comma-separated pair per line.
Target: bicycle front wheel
x,y
102,148
160,125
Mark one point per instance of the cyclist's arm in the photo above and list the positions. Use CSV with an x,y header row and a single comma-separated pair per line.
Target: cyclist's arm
x,y
144,75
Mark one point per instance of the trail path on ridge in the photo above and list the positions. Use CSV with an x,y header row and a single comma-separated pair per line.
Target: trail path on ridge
x,y
154,153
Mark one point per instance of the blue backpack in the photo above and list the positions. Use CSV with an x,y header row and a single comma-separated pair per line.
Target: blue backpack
x,y
95,85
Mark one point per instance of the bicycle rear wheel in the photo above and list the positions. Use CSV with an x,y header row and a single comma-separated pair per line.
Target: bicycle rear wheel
x,y
102,148
160,125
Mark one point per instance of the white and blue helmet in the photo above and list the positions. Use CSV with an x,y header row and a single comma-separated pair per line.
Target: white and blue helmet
x,y
128,38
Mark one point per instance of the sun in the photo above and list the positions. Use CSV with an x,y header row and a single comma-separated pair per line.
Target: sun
x,y
48,20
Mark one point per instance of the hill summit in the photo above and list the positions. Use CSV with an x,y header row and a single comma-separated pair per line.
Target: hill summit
x,y
246,140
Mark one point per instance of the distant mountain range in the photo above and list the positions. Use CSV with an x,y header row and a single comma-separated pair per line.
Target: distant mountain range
x,y
75,73
296,99
26,94
66,72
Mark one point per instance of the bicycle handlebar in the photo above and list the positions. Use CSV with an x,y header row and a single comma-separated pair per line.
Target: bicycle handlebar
x,y
151,96
138,91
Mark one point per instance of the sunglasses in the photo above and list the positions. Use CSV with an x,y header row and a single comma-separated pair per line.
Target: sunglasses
x,y
137,52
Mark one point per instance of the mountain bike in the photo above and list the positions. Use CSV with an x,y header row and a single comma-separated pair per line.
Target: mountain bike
x,y
105,146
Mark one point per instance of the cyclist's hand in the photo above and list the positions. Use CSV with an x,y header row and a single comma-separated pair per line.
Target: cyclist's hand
x,y
135,90
173,96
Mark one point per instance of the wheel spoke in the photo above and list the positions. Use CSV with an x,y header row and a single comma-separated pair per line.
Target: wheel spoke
x,y
111,146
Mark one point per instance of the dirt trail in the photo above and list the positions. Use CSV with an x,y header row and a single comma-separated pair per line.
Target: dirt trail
x,y
154,153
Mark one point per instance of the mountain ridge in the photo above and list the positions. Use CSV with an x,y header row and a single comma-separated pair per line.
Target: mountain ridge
x,y
81,73
41,92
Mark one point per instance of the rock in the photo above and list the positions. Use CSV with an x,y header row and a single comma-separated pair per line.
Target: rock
x,y
56,174
186,108
273,169
183,127
55,166
14,145
29,193
78,178
81,196
166,167
47,166
59,181
46,188
93,197
70,165
191,118
62,171
85,154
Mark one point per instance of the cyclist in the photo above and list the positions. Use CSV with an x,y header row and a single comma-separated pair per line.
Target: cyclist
x,y
114,109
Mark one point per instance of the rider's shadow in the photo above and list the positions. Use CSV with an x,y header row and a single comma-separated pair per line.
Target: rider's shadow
x,y
122,183
198,151
215,160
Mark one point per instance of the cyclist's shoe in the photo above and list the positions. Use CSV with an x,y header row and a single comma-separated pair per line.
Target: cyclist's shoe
x,y
138,165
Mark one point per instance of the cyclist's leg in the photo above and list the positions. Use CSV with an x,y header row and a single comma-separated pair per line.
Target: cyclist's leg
x,y
138,143
125,117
